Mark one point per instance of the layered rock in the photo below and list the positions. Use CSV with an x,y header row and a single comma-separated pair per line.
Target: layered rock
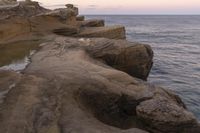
x,y
22,9
68,87
111,32
80,18
82,85
27,19
92,23
7,2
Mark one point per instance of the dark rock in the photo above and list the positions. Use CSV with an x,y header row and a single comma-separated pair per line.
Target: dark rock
x,y
92,23
132,58
69,5
80,18
66,31
164,115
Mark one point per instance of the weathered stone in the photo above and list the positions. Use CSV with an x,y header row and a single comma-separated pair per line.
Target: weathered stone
x,y
162,114
69,5
13,27
8,80
132,58
65,88
80,18
23,9
7,2
67,31
92,23
111,32
21,26
82,85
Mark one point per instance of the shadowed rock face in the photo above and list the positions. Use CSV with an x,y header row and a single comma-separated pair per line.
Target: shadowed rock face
x,y
92,23
68,87
132,58
78,85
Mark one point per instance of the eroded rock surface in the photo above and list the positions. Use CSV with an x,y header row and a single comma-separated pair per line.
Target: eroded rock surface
x,y
68,87
93,23
82,85
7,2
111,32
27,19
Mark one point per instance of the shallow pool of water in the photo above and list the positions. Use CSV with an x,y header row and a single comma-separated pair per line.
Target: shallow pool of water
x,y
16,56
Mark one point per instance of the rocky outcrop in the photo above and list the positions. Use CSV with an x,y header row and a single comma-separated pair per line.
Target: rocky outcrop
x,y
82,85
92,23
27,19
7,2
68,87
80,18
111,32
21,9
132,58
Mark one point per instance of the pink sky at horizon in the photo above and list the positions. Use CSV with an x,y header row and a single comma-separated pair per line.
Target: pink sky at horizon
x,y
130,6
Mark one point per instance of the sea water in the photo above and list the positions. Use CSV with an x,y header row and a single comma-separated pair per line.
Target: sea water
x,y
176,44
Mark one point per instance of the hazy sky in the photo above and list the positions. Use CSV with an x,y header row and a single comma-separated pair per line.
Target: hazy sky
x,y
131,6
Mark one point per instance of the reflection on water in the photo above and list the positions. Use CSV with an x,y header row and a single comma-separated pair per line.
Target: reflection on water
x,y
15,56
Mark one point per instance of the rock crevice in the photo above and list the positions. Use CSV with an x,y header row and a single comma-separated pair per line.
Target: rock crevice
x,y
79,82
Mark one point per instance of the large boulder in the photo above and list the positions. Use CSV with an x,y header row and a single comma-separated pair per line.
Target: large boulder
x,y
161,113
132,58
68,88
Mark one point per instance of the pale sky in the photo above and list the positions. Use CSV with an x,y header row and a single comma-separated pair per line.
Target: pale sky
x,y
130,6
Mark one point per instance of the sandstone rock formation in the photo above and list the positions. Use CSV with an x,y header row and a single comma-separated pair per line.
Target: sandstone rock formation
x,y
7,2
30,19
111,32
82,85
93,23
68,87
80,18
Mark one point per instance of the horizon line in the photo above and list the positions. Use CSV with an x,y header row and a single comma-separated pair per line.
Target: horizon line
x,y
146,14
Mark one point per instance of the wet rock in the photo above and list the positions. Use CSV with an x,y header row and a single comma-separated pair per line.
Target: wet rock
x,y
166,116
111,32
8,80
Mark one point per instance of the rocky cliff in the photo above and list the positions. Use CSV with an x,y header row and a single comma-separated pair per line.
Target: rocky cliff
x,y
85,78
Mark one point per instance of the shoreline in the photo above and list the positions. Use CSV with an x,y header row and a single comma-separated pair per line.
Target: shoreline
x,y
85,78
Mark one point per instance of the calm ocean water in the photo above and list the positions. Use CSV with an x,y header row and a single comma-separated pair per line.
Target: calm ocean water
x,y
176,44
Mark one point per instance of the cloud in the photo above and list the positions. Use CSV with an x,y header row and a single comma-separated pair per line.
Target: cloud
x,y
92,6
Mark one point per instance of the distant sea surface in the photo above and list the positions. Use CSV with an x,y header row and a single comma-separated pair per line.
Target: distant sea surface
x,y
176,44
